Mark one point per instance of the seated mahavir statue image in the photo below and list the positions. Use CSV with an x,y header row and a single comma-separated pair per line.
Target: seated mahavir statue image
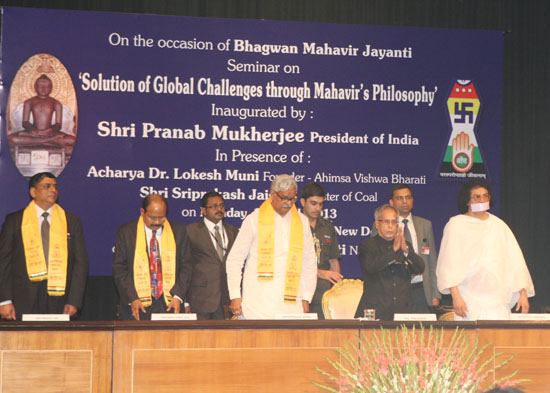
x,y
44,129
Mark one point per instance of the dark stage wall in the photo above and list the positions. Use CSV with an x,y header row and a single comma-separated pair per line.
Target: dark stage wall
x,y
526,103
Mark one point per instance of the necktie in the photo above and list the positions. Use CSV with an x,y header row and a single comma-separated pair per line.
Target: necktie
x,y
406,231
219,243
45,233
155,267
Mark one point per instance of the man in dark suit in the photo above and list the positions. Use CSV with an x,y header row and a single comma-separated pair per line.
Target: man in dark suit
x,y
35,244
419,233
388,261
148,262
210,241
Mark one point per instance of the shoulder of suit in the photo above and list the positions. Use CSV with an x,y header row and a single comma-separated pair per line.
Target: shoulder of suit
x,y
228,225
369,240
176,225
128,226
71,216
14,215
195,224
421,219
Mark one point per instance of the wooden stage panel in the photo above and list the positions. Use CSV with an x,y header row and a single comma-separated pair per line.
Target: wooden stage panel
x,y
532,363
47,371
59,361
229,370
224,360
532,349
222,356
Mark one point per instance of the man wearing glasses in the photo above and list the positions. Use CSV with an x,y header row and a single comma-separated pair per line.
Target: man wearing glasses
x,y
43,259
388,262
480,263
419,232
210,240
275,246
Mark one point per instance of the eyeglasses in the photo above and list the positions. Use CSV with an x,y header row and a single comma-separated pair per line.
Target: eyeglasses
x,y
388,222
47,186
216,206
478,198
403,197
287,199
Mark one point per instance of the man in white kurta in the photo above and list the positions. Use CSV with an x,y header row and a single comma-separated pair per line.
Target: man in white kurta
x,y
481,265
264,299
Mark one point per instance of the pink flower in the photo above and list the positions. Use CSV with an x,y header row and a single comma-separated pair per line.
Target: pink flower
x,y
422,383
506,384
408,366
384,370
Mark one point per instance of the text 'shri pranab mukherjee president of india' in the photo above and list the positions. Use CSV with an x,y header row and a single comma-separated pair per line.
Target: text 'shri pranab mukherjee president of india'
x,y
275,247
480,263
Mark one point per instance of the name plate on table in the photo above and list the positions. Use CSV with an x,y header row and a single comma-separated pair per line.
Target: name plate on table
x,y
530,317
46,317
311,315
173,317
415,317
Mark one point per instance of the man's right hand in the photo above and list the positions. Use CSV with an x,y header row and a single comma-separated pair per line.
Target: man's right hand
x,y
235,306
397,240
136,307
7,311
329,275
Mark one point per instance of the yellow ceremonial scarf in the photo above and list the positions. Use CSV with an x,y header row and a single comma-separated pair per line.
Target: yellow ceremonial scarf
x,y
56,270
266,249
142,274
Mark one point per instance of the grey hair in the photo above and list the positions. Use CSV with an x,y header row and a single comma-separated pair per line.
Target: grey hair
x,y
380,209
283,183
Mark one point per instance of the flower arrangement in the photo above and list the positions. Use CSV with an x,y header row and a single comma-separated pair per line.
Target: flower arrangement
x,y
413,361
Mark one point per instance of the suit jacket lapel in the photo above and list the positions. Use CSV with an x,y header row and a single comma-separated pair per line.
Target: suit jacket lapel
x,y
230,236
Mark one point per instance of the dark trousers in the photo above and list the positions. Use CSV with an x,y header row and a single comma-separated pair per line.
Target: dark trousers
x,y
46,304
218,314
420,306
316,305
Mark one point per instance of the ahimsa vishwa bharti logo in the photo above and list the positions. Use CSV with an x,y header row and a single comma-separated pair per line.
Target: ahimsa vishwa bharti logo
x,y
462,158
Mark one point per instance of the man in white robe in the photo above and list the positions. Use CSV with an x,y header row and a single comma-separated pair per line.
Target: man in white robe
x,y
265,298
480,263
